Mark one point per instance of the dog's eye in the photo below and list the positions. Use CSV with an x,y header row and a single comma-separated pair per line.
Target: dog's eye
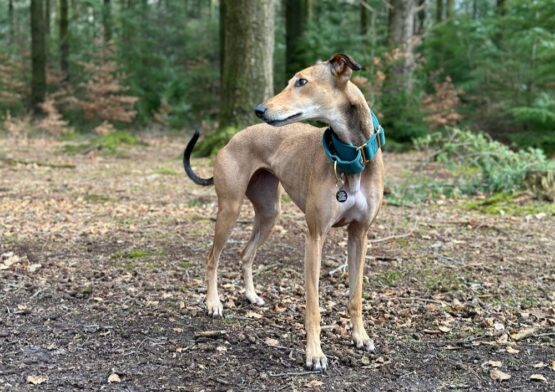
x,y
301,82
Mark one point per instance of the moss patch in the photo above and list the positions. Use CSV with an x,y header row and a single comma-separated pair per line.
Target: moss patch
x,y
517,204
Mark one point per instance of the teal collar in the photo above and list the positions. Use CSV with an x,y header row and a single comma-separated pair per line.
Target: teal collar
x,y
351,159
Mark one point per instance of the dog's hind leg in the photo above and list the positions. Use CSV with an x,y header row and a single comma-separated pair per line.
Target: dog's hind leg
x,y
228,211
230,188
264,193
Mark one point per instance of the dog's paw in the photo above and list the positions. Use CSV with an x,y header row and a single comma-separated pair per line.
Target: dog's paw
x,y
215,308
317,362
255,299
363,342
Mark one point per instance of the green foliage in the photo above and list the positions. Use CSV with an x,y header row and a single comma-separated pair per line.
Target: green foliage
x,y
499,168
402,118
508,203
108,144
214,141
505,66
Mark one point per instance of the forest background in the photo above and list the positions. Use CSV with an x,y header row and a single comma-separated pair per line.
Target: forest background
x,y
119,64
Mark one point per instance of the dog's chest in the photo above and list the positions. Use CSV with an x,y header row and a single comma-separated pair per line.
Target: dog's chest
x,y
355,208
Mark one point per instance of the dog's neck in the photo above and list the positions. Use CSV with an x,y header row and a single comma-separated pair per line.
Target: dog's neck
x,y
353,124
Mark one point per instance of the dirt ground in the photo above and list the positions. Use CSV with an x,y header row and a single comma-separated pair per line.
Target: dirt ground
x,y
101,286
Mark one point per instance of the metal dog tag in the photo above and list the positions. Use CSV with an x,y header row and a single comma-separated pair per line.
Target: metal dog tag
x,y
341,196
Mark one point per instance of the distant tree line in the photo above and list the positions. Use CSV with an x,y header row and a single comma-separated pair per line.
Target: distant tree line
x,y
428,64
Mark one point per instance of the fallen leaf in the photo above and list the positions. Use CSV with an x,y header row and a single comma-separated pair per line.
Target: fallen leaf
x,y
221,349
498,375
314,384
36,380
539,365
538,377
251,314
271,342
503,339
511,350
456,305
553,365
494,363
523,333
443,328
34,267
113,378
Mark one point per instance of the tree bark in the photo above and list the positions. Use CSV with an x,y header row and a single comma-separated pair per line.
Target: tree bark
x,y
500,7
439,11
298,14
38,55
421,17
450,8
107,21
222,39
11,22
47,17
248,59
64,38
401,37
363,20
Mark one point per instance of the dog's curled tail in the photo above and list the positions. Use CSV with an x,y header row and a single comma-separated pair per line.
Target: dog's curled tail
x,y
187,163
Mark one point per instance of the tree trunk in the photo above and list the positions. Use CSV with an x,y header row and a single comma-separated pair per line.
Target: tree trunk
x,y
11,22
401,29
249,45
450,8
38,55
421,17
47,17
363,20
439,11
107,21
222,39
500,7
64,38
297,16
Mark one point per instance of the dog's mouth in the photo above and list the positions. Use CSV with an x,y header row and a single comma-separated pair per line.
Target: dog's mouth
x,y
284,120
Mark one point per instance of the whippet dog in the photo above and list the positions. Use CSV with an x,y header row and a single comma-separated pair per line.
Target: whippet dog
x,y
262,160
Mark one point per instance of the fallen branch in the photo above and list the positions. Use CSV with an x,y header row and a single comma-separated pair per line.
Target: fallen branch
x,y
391,237
292,374
210,334
342,268
11,161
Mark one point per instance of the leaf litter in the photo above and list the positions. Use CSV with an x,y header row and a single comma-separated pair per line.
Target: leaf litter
x,y
113,288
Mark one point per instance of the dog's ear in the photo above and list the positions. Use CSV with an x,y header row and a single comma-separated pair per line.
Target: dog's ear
x,y
342,66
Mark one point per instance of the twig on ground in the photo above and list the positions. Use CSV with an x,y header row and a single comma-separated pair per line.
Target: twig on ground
x,y
210,334
391,237
342,268
12,161
294,374
433,301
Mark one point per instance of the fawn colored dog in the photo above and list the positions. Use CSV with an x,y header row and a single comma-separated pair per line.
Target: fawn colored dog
x,y
263,160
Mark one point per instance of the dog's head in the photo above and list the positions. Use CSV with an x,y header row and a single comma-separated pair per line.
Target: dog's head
x,y
315,93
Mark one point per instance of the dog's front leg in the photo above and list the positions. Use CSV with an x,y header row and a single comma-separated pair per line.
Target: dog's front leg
x,y
315,358
357,245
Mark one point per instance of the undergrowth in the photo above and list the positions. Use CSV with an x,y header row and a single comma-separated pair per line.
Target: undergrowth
x,y
499,169
509,182
107,144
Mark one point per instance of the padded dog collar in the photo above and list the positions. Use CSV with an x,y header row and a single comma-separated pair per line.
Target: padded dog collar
x,y
351,159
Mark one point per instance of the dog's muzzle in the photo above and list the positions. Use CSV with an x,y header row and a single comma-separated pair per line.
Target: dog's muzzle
x,y
260,110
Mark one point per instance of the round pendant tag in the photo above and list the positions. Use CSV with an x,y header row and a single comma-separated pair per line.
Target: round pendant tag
x,y
341,196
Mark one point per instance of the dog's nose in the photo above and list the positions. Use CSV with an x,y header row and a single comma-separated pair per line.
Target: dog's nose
x,y
260,110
